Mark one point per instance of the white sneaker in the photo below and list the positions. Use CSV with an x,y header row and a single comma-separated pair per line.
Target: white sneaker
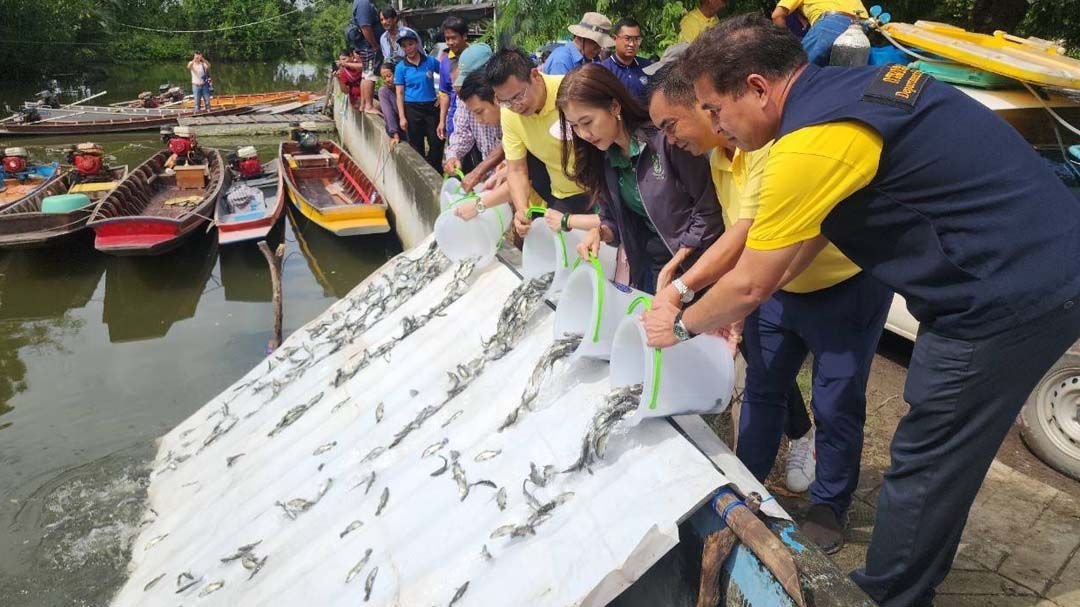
x,y
800,464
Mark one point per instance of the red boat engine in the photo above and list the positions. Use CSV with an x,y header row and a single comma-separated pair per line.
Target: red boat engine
x,y
14,160
88,159
248,164
181,146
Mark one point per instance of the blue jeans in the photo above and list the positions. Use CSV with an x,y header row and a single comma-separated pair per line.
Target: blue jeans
x,y
841,326
201,93
819,40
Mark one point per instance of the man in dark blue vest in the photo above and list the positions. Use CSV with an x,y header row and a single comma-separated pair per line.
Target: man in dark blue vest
x,y
940,200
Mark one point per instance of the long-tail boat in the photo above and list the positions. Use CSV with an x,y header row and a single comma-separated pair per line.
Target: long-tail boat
x,y
329,188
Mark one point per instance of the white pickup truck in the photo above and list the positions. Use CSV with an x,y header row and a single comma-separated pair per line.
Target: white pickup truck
x,y
1050,420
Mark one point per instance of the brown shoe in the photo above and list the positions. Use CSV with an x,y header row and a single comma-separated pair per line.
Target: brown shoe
x,y
823,528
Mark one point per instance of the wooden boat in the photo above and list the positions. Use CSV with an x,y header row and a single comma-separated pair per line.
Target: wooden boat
x,y
142,217
225,101
1031,60
100,112
257,213
24,225
121,124
36,177
330,189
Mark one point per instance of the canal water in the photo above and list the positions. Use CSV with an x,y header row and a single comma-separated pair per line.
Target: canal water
x,y
100,355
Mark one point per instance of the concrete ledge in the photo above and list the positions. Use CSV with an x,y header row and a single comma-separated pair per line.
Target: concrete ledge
x,y
409,185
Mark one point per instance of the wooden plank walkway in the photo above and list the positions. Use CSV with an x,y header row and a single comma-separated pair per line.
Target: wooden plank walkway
x,y
252,124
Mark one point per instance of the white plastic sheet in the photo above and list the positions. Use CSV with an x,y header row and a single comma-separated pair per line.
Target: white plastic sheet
x,y
426,543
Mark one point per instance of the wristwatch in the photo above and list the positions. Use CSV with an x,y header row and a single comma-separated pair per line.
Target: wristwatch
x,y
680,330
480,206
686,294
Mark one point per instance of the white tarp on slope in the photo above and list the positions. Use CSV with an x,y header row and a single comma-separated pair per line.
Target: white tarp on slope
x,y
426,543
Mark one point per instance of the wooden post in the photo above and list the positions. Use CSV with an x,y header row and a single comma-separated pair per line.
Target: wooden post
x,y
274,260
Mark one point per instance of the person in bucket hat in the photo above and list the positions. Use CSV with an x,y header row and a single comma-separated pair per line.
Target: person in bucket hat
x,y
590,35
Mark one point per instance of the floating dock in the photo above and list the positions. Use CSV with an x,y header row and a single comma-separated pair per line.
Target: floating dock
x,y
252,124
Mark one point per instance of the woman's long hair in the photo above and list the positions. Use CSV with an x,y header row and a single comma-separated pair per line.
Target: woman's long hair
x,y
594,86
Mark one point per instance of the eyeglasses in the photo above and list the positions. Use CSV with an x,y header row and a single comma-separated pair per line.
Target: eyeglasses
x,y
669,126
630,39
515,99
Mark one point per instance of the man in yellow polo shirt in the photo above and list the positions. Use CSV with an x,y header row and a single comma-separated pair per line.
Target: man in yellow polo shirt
x,y
890,166
532,136
828,19
831,310
700,19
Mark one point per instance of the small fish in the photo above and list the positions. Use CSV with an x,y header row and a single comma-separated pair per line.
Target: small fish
x,y
212,588
188,585
324,487
485,483
503,531
444,468
229,461
319,469
486,455
383,500
258,567
183,574
462,483
324,448
500,498
378,413
370,583
374,453
241,552
151,583
434,448
459,593
341,404
358,567
450,419
154,541
414,393
353,526
249,562
485,554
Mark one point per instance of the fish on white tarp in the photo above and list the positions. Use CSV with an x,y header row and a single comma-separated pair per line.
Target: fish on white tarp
x,y
312,497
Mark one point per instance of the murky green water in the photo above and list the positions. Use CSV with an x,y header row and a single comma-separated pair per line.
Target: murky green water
x,y
100,355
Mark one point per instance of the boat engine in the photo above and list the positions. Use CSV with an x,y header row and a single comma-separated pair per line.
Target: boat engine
x,y
147,100
88,159
27,115
248,162
181,144
305,135
50,97
15,160
172,94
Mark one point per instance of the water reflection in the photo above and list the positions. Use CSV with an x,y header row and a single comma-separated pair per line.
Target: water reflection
x,y
145,296
338,264
244,273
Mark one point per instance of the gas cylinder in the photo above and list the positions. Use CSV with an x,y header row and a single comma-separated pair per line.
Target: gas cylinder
x,y
852,48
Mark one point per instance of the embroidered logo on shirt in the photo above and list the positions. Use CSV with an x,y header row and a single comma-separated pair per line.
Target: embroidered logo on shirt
x,y
897,86
658,168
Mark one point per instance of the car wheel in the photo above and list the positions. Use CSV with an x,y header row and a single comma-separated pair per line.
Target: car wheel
x,y
1050,420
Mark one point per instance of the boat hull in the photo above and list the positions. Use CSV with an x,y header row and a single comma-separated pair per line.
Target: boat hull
x,y
136,219
340,219
119,125
237,229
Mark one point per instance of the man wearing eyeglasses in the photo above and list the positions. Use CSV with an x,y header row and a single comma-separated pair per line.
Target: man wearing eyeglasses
x,y
624,63
532,136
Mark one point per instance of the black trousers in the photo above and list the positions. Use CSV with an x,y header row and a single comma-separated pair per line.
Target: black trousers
x,y
423,120
541,184
964,397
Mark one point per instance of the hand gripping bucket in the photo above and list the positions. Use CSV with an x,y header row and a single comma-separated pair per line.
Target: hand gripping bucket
x,y
592,306
696,376
479,237
451,193
550,251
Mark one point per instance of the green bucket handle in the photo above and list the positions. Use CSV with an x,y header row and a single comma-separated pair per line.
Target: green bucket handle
x,y
457,173
534,212
465,198
646,301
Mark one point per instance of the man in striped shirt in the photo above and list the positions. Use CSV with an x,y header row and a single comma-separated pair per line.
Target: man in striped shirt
x,y
469,131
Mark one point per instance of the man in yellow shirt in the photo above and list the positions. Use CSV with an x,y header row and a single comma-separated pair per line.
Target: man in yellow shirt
x,y
891,166
532,136
828,19
700,19
831,310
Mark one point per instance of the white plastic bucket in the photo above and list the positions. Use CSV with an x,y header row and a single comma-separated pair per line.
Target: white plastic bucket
x,y
452,193
480,237
546,251
592,306
696,376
